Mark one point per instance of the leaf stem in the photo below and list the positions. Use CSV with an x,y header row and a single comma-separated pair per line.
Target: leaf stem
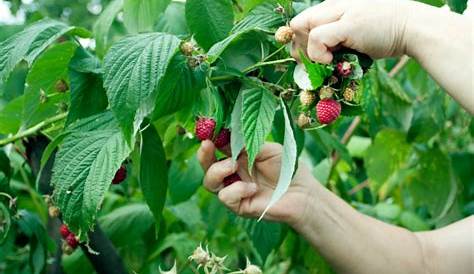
x,y
261,64
32,130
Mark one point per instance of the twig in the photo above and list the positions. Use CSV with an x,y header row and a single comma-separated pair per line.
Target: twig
x,y
358,187
33,130
399,65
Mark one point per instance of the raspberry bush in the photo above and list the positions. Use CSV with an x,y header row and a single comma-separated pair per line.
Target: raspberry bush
x,y
102,110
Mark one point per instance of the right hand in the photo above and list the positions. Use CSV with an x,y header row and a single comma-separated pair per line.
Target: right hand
x,y
373,27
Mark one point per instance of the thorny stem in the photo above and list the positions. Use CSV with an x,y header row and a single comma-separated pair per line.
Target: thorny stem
x,y
33,130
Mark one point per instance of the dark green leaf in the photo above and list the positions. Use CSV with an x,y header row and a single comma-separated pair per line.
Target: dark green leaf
x,y
261,17
103,23
458,6
173,21
185,179
237,136
141,15
316,72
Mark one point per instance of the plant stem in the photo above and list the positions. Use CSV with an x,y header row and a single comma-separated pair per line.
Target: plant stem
x,y
261,64
33,130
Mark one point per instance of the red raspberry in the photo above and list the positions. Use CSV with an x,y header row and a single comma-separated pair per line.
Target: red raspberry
x,y
64,231
205,128
120,175
231,179
223,138
344,68
328,110
72,241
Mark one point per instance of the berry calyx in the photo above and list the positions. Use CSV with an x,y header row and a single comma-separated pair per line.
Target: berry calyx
x,y
120,175
53,211
67,249
187,48
303,120
344,68
61,86
307,98
72,241
326,93
284,35
64,231
328,110
205,128
231,179
223,138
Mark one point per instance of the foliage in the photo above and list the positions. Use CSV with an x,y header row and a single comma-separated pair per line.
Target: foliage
x,y
131,98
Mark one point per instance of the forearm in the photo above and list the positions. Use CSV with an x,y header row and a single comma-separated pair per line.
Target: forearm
x,y
355,243
442,42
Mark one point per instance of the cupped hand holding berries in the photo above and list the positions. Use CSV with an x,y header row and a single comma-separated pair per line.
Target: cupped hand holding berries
x,y
249,196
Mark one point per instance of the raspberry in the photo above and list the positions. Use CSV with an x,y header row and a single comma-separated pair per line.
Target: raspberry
x,y
326,92
303,120
252,269
64,231
72,241
328,110
120,175
344,68
231,179
284,35
61,86
187,48
348,94
223,138
205,128
307,98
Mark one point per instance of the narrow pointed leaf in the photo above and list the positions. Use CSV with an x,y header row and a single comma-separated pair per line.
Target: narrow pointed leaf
x,y
237,136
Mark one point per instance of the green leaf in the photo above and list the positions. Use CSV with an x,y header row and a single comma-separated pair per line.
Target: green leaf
x,y
87,93
5,221
433,184
46,71
392,86
133,69
102,25
173,21
209,20
387,212
153,171
386,155
413,222
329,143
428,120
186,178
258,111
84,168
31,226
288,161
29,43
141,15
237,136
458,6
218,48
127,223
10,116
316,72
370,101
261,17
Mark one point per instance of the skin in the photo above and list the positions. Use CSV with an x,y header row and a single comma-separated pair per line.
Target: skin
x,y
350,241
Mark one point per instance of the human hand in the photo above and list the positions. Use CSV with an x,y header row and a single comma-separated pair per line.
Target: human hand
x,y
250,196
373,27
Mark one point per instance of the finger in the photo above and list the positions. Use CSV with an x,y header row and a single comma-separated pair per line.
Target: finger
x,y
232,195
323,38
217,172
206,155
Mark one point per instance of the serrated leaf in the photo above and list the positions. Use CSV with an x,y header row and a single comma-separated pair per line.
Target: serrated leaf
x,y
29,43
10,116
141,15
173,21
392,86
217,49
261,17
133,69
209,20
258,111
316,72
427,121
50,67
84,168
102,25
87,93
153,172
370,101
288,161
237,136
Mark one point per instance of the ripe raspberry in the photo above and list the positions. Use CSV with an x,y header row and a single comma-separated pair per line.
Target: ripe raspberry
x,y
64,231
303,120
205,128
348,94
223,138
284,35
344,68
187,48
231,179
120,175
328,110
61,86
307,98
326,93
72,241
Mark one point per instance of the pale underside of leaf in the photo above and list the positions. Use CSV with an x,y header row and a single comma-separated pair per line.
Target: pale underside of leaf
x,y
237,137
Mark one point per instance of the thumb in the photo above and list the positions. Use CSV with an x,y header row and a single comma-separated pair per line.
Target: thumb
x,y
325,37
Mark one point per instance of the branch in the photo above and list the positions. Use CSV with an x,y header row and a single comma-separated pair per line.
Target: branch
x,y
33,130
399,65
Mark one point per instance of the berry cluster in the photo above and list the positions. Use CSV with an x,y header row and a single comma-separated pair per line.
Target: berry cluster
x,y
70,242
120,175
205,128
